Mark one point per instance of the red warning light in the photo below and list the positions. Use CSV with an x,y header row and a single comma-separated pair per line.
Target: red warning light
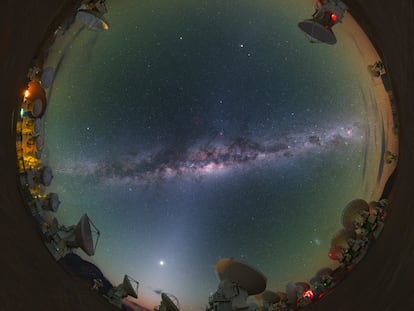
x,y
334,17
307,294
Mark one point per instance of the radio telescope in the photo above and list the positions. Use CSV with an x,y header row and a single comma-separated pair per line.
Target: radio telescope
x,y
65,239
92,20
291,293
343,239
49,202
42,176
123,290
322,279
269,299
327,14
47,77
34,108
355,214
237,281
168,303
29,126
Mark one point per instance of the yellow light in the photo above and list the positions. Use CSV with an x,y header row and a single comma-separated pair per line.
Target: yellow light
x,y
26,93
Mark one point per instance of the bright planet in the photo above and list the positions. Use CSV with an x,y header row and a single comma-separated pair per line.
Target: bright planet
x,y
199,130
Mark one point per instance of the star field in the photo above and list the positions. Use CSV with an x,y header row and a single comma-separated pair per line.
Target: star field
x,y
193,131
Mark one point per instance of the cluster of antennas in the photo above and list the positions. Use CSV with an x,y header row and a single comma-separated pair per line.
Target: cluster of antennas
x,y
327,14
238,281
36,177
30,142
362,223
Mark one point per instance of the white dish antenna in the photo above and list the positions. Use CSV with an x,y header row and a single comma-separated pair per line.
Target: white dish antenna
x,y
322,278
42,176
242,274
38,141
80,236
317,31
47,77
49,203
291,293
128,288
46,176
327,14
53,202
83,236
123,290
35,108
92,21
302,286
65,239
354,213
238,281
342,239
169,303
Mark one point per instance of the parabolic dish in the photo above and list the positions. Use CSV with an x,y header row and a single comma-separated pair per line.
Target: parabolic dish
x,y
47,77
270,296
291,292
302,286
54,201
40,143
340,239
37,126
36,90
37,108
83,235
245,276
47,176
129,289
352,212
335,253
317,31
92,21
170,305
324,272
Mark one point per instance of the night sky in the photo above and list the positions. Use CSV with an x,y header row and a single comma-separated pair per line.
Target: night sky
x,y
197,130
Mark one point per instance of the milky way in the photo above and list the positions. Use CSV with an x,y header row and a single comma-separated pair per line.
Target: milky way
x,y
214,156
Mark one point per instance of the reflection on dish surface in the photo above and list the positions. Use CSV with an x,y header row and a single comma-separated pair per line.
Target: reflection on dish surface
x,y
191,132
